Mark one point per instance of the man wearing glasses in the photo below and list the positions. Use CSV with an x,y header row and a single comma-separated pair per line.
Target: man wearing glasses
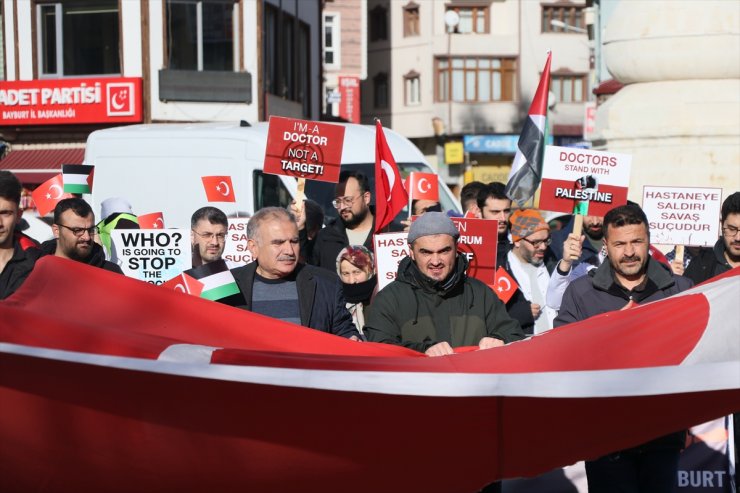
x,y
74,235
18,252
354,226
530,263
208,230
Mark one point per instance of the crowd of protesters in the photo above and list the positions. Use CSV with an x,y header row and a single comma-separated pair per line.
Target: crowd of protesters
x,y
325,279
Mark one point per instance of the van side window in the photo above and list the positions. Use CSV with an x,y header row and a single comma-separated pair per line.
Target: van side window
x,y
269,191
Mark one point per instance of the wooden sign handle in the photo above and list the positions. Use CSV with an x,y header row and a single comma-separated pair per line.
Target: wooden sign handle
x,y
679,253
300,194
578,225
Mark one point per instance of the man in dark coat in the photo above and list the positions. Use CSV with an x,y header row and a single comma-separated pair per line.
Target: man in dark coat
x,y
278,286
629,277
433,306
74,235
18,253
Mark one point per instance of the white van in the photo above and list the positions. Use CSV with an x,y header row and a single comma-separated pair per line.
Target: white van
x,y
158,167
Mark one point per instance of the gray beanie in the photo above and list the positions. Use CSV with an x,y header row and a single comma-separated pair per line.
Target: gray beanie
x,y
432,223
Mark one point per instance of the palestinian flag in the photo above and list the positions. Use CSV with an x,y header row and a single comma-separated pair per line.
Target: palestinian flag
x,y
526,171
77,178
218,282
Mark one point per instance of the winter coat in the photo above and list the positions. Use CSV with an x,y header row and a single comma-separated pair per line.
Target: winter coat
x,y
96,258
417,312
20,265
329,242
709,263
322,304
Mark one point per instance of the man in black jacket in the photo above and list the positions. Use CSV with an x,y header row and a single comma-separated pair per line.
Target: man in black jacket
x,y
74,235
629,277
278,286
354,226
18,253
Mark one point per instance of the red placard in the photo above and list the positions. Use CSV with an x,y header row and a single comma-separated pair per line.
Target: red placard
x,y
478,239
304,149
349,106
71,101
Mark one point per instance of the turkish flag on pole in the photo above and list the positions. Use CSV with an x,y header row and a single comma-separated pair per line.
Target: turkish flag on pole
x,y
390,196
423,186
185,284
505,286
219,188
153,220
48,194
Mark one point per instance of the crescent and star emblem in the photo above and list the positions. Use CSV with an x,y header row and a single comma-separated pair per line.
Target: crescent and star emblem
x,y
181,288
225,186
58,195
158,224
500,285
114,101
420,185
388,171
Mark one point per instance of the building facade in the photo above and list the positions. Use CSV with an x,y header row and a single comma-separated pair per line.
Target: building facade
x,y
474,66
74,66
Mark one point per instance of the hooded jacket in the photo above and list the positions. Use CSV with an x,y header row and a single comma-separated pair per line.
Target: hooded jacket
x,y
709,263
20,265
417,312
96,258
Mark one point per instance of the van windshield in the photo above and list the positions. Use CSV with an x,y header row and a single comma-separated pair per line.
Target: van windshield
x,y
323,192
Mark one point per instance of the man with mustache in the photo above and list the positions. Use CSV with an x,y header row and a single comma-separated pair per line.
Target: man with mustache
x,y
278,286
630,276
74,235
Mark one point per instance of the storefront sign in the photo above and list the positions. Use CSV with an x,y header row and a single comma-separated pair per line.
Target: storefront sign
x,y
349,104
71,101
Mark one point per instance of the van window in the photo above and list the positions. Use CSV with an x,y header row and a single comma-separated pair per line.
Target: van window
x,y
269,191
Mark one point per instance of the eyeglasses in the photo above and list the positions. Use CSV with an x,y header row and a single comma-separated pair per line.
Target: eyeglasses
x,y
340,202
80,231
209,236
538,243
730,231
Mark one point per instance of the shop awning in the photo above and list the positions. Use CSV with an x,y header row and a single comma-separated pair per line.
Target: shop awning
x,y
34,165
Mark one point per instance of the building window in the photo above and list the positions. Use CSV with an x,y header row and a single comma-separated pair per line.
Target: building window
x,y
412,89
570,15
378,24
200,34
411,20
569,88
380,90
472,20
77,38
331,41
475,79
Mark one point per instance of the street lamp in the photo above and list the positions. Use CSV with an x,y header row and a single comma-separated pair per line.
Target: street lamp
x,y
562,25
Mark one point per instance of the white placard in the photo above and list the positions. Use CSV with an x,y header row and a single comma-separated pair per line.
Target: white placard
x,y
682,215
236,242
390,249
152,255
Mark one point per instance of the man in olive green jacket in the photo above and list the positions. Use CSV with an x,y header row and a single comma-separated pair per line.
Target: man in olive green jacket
x,y
433,306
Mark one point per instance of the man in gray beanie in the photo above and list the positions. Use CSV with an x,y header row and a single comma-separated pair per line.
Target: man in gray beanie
x,y
433,306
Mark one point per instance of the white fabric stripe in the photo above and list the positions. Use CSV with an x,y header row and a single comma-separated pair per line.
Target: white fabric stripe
x,y
570,384
75,179
187,353
720,341
539,121
216,280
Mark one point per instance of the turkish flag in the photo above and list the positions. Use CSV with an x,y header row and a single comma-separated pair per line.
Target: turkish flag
x,y
470,215
505,286
219,188
48,194
423,186
185,284
390,196
153,220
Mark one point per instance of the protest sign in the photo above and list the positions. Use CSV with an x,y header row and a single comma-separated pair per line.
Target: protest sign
x,y
304,149
390,249
584,181
478,239
152,255
682,215
235,249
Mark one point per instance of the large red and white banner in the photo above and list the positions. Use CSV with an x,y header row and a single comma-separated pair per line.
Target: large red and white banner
x,y
304,149
71,101
199,396
584,181
682,215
